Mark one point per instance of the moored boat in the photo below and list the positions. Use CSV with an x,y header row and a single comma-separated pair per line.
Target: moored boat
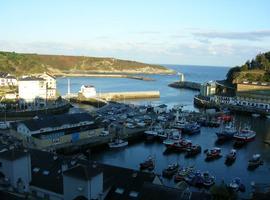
x,y
180,146
193,151
227,132
213,154
195,179
170,170
183,173
192,128
236,185
231,157
118,143
208,180
245,134
148,164
255,162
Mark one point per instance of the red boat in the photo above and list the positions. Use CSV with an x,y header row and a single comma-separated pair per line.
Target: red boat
x,y
181,145
225,118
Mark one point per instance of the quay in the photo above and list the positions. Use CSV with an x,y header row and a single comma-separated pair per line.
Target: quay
x,y
102,98
186,84
201,102
129,95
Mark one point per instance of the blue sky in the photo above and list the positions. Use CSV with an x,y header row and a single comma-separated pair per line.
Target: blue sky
x,y
200,32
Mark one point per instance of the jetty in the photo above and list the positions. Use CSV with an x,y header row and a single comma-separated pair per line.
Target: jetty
x,y
102,99
186,85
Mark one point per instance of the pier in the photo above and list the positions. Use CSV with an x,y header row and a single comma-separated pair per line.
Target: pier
x,y
186,84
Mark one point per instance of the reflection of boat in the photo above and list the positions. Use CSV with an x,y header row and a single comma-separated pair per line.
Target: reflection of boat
x,y
236,185
193,151
245,134
148,164
170,170
150,134
239,143
117,143
255,162
208,180
213,154
231,157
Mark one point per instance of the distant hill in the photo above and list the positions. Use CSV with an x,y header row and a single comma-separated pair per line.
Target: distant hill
x,y
258,69
19,64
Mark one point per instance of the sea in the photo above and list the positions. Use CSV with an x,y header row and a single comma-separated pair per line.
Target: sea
x,y
131,156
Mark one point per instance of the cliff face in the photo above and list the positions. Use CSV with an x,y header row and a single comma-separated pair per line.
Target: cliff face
x,y
258,69
17,63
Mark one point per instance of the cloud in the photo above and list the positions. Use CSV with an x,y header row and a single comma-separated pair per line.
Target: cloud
x,y
250,35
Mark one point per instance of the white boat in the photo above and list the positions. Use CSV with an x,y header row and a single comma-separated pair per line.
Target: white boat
x,y
255,115
245,134
117,143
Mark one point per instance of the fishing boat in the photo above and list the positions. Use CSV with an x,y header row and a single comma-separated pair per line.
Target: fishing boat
x,y
170,170
180,146
183,173
236,185
225,118
148,164
150,135
213,154
231,157
245,134
118,143
173,136
195,180
192,128
255,162
227,132
193,151
208,180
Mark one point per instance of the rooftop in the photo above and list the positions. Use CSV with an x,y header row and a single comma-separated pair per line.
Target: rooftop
x,y
13,154
83,172
31,78
56,121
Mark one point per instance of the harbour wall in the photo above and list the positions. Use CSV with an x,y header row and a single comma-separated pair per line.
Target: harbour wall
x,y
129,95
186,84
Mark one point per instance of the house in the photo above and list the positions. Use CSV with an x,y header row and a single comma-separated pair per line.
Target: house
x,y
15,166
7,80
50,84
32,88
88,91
208,88
57,129
83,181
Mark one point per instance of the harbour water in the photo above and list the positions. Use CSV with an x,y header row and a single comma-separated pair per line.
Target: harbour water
x,y
134,154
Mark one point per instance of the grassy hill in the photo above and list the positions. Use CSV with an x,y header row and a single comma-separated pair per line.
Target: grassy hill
x,y
18,64
258,69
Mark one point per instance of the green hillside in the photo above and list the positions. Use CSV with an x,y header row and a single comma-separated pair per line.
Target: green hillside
x,y
18,64
258,69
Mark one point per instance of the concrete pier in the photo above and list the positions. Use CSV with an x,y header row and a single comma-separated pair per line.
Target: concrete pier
x,y
186,84
129,95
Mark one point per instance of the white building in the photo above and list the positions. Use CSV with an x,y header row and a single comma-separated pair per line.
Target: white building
x,y
39,87
32,88
88,91
7,80
15,165
208,89
51,85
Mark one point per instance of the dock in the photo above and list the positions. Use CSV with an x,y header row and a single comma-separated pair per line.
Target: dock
x,y
186,85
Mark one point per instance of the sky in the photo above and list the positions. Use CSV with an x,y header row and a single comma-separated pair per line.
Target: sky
x,y
194,32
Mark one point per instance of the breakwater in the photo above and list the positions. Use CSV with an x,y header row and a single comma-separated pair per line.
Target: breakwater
x,y
186,84
129,95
